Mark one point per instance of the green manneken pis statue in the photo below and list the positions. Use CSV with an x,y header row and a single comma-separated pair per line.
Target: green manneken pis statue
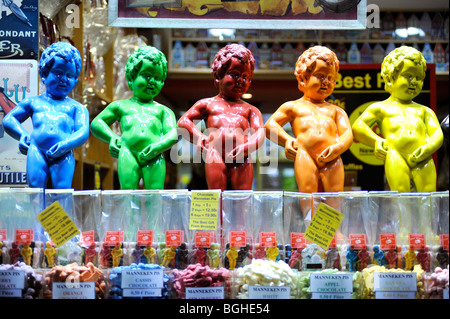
x,y
148,128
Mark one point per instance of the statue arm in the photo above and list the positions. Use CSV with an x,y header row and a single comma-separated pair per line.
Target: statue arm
x,y
186,123
435,137
276,133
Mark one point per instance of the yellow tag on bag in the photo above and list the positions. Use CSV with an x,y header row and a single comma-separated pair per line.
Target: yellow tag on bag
x,y
57,224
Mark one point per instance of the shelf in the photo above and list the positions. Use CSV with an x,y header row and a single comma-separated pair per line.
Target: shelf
x,y
193,73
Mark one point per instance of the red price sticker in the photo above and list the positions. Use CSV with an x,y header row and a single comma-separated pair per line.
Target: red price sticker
x,y
357,241
238,238
204,239
174,238
23,236
443,241
268,238
145,237
298,240
113,237
388,241
416,241
87,238
3,234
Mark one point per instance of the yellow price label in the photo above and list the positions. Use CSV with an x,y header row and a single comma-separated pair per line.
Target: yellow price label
x,y
324,225
204,210
57,224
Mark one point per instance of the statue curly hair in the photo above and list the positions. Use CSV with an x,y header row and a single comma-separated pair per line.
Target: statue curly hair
x,y
307,61
393,63
134,62
63,50
222,59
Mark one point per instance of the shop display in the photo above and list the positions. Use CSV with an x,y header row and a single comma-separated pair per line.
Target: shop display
x,y
263,241
62,124
234,127
139,151
74,274
410,132
318,144
147,242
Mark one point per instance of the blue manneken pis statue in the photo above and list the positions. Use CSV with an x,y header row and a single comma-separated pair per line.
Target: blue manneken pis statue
x,y
60,124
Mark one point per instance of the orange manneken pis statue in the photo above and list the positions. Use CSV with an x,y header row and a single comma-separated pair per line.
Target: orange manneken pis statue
x,y
322,130
235,128
410,132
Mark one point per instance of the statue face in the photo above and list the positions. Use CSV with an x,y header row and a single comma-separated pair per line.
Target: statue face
x,y
409,82
236,80
321,82
148,82
61,78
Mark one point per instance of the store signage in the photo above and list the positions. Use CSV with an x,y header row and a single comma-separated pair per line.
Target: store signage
x,y
204,239
323,226
331,286
388,241
11,283
204,211
395,285
205,292
249,14
57,224
238,238
77,290
174,237
19,29
142,283
23,236
269,292
18,81
145,237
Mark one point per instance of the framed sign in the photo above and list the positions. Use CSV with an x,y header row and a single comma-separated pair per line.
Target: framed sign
x,y
242,14
18,80
19,29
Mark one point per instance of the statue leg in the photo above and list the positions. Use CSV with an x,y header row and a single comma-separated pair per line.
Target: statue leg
x,y
216,171
306,172
425,177
154,173
333,176
61,171
37,169
128,169
397,172
242,176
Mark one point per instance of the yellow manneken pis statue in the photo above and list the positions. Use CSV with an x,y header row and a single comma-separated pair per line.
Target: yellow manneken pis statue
x,y
410,132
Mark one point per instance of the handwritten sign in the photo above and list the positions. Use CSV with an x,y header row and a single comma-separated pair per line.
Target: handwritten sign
x,y
57,224
323,226
204,210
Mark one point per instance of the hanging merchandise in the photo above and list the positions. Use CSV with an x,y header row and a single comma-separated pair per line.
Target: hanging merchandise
x,y
189,56
253,47
378,54
341,52
296,206
353,55
201,61
437,27
366,53
237,228
124,46
413,27
264,57
428,53
426,25
175,247
289,56
276,60
268,226
213,49
439,57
